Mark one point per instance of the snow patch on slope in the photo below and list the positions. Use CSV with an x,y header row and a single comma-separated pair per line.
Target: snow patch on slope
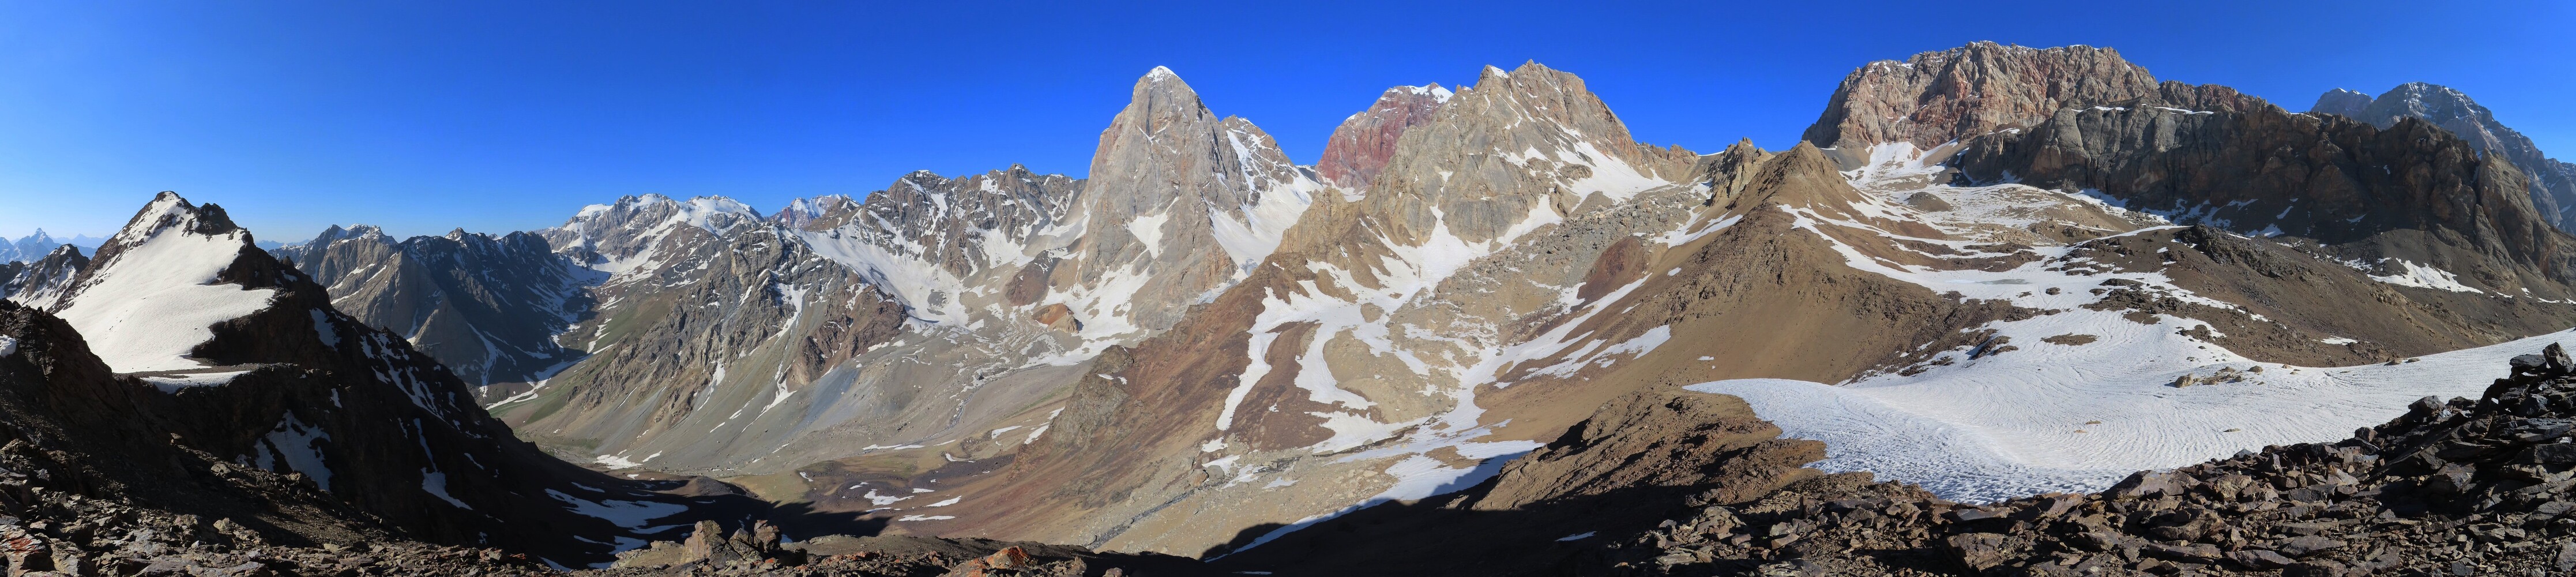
x,y
2420,276
1975,426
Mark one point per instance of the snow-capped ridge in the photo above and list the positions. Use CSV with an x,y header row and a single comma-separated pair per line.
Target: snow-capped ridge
x,y
156,287
1434,90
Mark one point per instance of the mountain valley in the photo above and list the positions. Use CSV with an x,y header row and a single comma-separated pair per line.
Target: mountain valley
x,y
2002,310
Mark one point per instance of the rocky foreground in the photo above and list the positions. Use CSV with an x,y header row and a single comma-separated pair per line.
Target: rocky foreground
x,y
2452,488
60,518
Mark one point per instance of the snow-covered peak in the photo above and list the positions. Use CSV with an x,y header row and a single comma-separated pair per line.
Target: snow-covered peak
x,y
1435,90
716,214
1162,88
357,231
166,209
801,211
706,212
155,290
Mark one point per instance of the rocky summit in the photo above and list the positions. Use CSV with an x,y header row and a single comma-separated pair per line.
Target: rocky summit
x,y
2002,310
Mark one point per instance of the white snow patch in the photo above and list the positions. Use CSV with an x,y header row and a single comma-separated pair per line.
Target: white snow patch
x,y
882,500
2420,276
435,483
300,445
1148,229
172,384
632,515
322,329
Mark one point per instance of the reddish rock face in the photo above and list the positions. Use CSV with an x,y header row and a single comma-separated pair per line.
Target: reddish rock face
x,y
1937,97
1362,144
1057,316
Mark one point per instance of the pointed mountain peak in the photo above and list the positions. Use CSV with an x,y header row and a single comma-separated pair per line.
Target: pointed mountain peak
x,y
2348,103
169,211
148,297
1162,80
1160,89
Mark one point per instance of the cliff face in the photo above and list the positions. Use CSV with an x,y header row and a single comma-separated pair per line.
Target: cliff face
x,y
1938,97
2553,183
2266,171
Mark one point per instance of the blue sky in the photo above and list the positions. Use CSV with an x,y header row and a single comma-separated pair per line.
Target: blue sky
x,y
495,116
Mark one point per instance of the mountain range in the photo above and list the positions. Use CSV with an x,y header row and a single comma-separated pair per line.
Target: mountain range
x,y
1487,333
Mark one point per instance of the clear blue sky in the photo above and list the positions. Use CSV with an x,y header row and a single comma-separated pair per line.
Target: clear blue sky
x,y
495,116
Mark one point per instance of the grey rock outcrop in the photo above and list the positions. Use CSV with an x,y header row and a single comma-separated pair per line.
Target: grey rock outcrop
x,y
2553,183
1658,439
2264,171
41,282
